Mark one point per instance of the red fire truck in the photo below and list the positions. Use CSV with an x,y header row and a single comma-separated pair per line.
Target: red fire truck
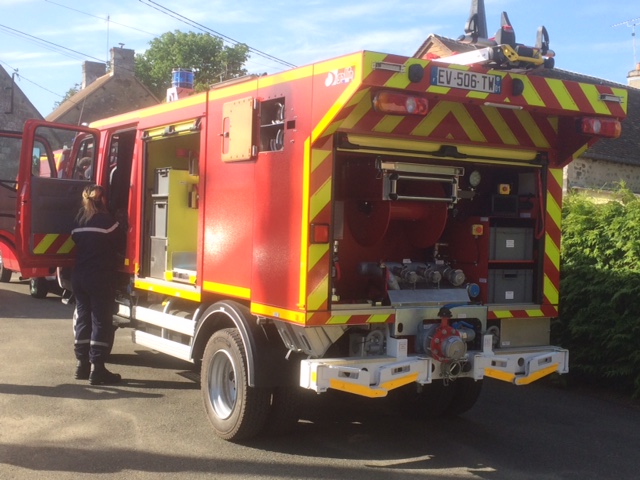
x,y
374,224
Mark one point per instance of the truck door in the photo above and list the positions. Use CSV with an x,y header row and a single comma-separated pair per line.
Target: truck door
x,y
47,205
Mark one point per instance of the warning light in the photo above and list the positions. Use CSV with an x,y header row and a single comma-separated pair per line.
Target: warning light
x,y
601,127
400,104
477,230
319,233
504,189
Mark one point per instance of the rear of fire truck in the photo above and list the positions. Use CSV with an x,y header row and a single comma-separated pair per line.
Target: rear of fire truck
x,y
435,208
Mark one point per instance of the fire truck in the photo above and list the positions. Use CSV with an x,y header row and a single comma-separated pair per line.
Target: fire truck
x,y
375,224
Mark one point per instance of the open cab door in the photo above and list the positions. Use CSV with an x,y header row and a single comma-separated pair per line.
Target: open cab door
x,y
47,205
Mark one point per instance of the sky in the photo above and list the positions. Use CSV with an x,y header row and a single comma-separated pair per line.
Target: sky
x,y
47,41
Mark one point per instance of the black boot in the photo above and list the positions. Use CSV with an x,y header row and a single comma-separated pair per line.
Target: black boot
x,y
83,369
101,376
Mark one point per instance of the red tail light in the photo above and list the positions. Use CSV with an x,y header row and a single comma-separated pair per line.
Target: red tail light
x,y
601,127
400,103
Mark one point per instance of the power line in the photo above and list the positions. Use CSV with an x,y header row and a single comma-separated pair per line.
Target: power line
x,y
188,21
41,40
30,81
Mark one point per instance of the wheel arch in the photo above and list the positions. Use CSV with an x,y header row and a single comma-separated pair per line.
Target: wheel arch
x,y
266,355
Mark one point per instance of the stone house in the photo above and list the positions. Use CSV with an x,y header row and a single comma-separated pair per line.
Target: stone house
x,y
610,161
15,107
103,93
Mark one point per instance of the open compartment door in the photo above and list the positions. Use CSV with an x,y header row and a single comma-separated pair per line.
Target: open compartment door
x,y
48,204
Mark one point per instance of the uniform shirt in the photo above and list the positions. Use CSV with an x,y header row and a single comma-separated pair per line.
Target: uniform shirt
x,y
97,243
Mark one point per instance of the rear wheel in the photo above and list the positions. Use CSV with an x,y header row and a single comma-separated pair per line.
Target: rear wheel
x,y
286,408
38,287
5,273
236,410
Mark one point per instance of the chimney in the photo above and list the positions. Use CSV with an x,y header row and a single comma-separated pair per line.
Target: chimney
x,y
122,62
91,71
633,79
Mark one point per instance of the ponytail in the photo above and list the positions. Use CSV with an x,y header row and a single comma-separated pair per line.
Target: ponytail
x,y
92,203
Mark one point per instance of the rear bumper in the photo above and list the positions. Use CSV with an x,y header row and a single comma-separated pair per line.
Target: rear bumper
x,y
376,376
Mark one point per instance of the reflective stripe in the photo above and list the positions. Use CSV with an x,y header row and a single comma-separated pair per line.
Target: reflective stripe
x,y
80,342
101,344
95,229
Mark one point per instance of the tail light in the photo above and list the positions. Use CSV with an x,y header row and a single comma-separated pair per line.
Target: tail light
x,y
601,127
400,103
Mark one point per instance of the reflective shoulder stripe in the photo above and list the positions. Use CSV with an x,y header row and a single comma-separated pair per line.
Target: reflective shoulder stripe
x,y
95,229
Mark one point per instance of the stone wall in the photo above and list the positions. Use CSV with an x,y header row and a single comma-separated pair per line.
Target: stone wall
x,y
15,107
601,175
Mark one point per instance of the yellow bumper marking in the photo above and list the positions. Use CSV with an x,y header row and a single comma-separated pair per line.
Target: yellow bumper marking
x,y
378,318
499,374
399,382
536,375
356,389
338,319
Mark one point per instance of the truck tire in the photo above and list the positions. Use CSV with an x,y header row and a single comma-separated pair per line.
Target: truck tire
x,y
286,407
236,410
465,395
5,273
38,287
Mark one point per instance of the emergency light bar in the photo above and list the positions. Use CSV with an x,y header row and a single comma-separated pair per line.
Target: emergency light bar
x,y
395,103
601,127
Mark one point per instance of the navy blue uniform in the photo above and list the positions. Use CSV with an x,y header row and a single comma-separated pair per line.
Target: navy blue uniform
x,y
97,243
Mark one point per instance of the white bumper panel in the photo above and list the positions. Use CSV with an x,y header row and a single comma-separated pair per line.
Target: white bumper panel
x,y
521,366
369,377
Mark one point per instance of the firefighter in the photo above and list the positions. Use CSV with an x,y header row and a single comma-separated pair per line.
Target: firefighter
x,y
98,238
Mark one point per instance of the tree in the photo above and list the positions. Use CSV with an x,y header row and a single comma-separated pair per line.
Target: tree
x,y
211,60
70,93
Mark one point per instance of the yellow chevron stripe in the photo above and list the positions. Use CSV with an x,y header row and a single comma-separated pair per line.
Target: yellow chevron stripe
x,y
388,123
67,246
550,291
552,251
398,80
319,294
378,318
318,157
535,313
316,252
357,114
338,319
45,243
500,126
530,94
466,122
592,94
432,120
320,199
529,124
562,94
554,210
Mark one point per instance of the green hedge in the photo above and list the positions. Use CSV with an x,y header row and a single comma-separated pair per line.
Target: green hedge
x,y
600,290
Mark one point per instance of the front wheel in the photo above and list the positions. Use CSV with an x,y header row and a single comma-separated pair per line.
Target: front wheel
x,y
38,287
5,273
236,410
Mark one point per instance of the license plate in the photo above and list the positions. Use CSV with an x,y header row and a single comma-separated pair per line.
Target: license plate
x,y
478,82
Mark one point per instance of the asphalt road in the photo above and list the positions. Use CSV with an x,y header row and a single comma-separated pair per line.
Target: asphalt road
x,y
153,424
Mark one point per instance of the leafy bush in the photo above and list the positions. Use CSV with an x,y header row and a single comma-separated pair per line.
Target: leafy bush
x,y
600,289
